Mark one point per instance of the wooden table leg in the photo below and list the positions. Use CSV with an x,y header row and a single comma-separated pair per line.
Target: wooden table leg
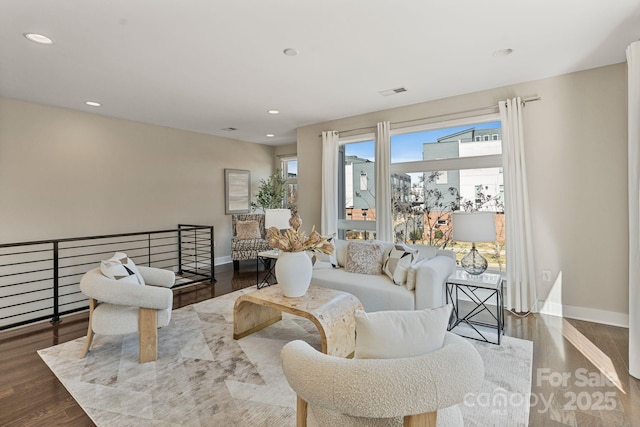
x,y
249,318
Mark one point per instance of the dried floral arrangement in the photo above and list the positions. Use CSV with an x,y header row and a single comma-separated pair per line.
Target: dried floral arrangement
x,y
295,240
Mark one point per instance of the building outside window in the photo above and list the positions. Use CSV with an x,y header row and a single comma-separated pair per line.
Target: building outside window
x,y
452,168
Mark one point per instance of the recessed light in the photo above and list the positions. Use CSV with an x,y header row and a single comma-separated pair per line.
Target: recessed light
x,y
291,51
93,104
270,135
503,52
273,112
38,38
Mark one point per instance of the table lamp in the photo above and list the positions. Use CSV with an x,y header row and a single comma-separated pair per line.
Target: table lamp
x,y
474,227
278,218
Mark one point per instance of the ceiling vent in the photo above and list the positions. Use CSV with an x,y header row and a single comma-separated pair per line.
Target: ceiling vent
x,y
390,92
229,129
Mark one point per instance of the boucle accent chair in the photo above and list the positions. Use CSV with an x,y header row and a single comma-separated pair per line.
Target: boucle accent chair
x,y
245,249
414,391
118,308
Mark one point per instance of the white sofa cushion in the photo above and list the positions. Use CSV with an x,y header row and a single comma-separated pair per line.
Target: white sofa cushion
x,y
374,292
397,334
424,251
122,268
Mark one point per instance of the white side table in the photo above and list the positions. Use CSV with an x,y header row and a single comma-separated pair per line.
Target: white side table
x,y
268,259
480,290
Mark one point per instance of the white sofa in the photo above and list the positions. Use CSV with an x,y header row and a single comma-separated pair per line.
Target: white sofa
x,y
378,292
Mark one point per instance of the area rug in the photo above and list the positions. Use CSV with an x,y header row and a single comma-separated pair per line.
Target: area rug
x,y
203,377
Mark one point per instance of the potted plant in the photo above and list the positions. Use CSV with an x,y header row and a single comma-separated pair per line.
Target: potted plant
x,y
271,192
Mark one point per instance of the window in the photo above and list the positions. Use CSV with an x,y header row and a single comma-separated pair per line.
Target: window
x,y
357,200
478,196
363,181
455,167
289,167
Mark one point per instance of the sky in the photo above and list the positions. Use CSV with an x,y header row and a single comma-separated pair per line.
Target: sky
x,y
408,146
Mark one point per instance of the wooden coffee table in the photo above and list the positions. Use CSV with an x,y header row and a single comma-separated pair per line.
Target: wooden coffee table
x,y
331,311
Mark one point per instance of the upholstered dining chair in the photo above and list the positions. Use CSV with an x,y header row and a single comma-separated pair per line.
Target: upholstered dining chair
x,y
414,391
118,308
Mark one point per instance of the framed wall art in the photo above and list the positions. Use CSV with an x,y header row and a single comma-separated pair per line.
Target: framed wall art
x,y
237,191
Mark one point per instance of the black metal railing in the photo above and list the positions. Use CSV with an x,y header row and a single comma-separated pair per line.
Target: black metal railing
x,y
40,280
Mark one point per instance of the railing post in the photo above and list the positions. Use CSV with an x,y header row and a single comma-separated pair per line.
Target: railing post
x,y
213,243
195,247
180,248
56,302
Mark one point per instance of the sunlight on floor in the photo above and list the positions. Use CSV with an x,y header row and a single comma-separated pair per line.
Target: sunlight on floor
x,y
592,353
553,308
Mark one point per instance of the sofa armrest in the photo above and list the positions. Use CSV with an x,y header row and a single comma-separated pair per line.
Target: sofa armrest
x,y
446,252
93,284
431,276
157,276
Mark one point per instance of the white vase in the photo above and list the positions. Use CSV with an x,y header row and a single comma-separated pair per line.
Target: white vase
x,y
293,273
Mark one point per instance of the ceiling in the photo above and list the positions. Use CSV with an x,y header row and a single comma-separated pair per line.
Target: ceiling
x,y
207,65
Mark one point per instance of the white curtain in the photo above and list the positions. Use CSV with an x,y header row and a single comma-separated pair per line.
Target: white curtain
x,y
329,219
384,218
633,64
521,291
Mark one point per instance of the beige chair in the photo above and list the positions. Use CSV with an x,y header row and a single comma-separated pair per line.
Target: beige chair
x,y
117,308
246,249
414,391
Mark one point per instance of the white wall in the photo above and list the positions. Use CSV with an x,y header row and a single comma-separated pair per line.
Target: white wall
x,y
66,173
576,139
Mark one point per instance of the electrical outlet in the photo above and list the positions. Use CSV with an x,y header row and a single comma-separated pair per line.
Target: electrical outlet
x,y
546,275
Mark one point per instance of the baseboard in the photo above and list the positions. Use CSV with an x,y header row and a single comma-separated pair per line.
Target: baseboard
x,y
584,313
222,260
216,261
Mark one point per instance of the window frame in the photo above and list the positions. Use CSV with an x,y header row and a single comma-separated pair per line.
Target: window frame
x,y
288,180
345,224
451,164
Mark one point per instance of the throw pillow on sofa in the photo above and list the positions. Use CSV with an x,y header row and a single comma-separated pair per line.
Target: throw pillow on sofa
x,y
364,258
319,257
399,259
400,333
121,267
340,247
246,230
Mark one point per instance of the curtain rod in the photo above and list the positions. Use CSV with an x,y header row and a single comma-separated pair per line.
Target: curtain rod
x,y
472,110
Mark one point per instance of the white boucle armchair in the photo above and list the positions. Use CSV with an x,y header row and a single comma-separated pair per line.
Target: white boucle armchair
x,y
117,308
415,391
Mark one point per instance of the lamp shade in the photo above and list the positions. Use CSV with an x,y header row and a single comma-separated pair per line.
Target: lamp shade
x,y
474,226
278,218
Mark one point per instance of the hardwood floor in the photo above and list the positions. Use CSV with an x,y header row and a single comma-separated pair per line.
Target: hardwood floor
x,y
579,376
